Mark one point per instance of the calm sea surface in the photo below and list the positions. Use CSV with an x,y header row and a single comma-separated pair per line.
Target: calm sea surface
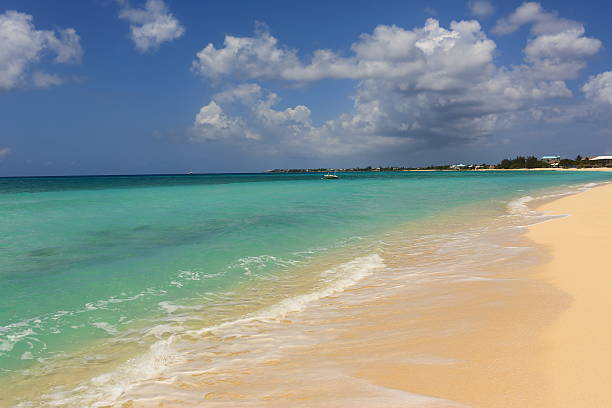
x,y
90,266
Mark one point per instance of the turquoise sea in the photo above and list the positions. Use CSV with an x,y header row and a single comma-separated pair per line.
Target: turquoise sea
x,y
97,271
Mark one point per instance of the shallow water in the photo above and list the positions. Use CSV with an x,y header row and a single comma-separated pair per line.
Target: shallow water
x,y
175,273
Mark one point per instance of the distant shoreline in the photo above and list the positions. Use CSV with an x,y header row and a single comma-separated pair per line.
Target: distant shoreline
x,y
534,169
268,172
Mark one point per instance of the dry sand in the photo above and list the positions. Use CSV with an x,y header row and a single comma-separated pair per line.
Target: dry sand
x,y
578,345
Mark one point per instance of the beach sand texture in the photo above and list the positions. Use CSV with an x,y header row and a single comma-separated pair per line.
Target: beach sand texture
x,y
578,345
536,336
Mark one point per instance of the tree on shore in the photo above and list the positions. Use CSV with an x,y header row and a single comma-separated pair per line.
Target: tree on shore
x,y
522,162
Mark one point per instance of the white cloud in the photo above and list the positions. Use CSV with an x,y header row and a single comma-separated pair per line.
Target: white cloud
x,y
561,55
152,25
543,22
67,46
211,123
416,88
289,129
557,48
22,45
5,151
481,8
44,80
389,52
599,88
245,93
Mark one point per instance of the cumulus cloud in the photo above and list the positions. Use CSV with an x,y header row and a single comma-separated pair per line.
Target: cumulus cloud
x,y
389,52
415,88
542,21
557,48
212,123
4,151
152,25
561,55
22,45
290,129
599,88
480,8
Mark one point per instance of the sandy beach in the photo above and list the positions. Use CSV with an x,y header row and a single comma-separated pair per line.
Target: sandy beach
x,y
458,310
577,347
536,335
521,335
547,348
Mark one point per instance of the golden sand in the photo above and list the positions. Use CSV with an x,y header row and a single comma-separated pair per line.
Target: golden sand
x,y
578,345
535,337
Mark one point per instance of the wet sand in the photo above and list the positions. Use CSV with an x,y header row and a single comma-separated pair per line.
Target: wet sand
x,y
454,337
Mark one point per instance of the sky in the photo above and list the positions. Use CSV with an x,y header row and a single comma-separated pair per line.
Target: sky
x,y
177,86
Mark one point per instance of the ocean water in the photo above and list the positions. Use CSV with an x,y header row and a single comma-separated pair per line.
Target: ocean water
x,y
107,282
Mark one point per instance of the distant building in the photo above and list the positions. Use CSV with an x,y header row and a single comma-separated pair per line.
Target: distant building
x,y
552,160
605,161
458,166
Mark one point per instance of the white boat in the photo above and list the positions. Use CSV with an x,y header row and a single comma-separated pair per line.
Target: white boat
x,y
330,176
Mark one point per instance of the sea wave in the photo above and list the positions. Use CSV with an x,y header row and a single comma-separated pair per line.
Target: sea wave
x,y
30,331
108,388
521,206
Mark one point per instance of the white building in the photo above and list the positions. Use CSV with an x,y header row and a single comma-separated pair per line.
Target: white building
x,y
605,161
458,166
552,160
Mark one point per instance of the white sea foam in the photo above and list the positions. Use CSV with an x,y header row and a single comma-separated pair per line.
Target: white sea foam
x,y
107,327
11,340
338,279
107,388
52,323
253,264
162,330
27,356
190,275
122,298
519,206
170,307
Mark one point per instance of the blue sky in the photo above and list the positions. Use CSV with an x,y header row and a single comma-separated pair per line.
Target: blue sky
x,y
117,87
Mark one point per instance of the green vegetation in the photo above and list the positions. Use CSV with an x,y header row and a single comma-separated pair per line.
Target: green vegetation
x,y
532,162
579,162
521,162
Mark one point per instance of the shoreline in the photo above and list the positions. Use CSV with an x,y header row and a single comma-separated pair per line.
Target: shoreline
x,y
577,347
607,169
414,346
537,335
